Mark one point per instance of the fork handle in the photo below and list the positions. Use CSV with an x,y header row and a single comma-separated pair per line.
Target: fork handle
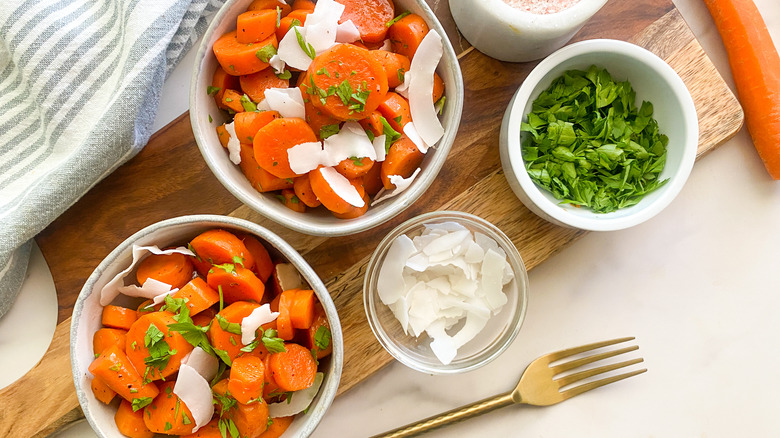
x,y
450,417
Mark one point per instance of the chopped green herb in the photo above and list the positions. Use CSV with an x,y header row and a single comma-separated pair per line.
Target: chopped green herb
x,y
370,135
328,130
185,420
251,346
295,22
281,198
294,200
140,403
114,368
391,135
221,297
395,20
440,105
306,47
322,337
222,354
212,90
323,71
273,343
227,267
289,180
230,327
266,53
401,74
133,391
356,161
284,75
227,99
278,16
247,103
239,261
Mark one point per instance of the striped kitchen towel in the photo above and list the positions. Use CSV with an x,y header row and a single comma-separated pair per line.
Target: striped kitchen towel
x,y
80,82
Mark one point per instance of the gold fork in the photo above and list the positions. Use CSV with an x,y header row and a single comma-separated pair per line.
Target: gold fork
x,y
538,386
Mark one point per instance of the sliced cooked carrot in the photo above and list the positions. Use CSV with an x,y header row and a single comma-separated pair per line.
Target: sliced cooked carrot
x,y
269,384
396,110
302,188
264,266
210,430
145,344
318,336
174,269
237,58
246,379
115,369
236,282
294,18
219,246
257,5
254,85
305,5
221,82
260,180
354,212
358,82
329,198
373,123
277,427
318,119
273,140
129,423
199,295
232,101
255,26
118,317
438,87
369,16
355,168
372,181
204,318
395,65
249,122
302,309
101,390
293,369
284,327
106,337
168,414
406,34
223,135
402,159
291,201
251,419
225,340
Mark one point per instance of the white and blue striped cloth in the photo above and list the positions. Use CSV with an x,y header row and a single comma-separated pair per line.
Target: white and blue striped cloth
x,y
80,81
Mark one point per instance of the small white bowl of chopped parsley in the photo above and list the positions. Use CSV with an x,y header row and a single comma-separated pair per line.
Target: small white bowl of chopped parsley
x,y
601,136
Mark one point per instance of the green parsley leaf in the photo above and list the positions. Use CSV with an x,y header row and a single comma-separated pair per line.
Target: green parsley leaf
x,y
133,391
140,403
400,72
284,75
230,327
295,22
395,20
328,130
221,300
439,106
185,420
322,337
281,198
273,343
114,367
306,47
391,135
247,103
227,267
210,119
239,261
222,354
357,161
294,200
168,426
266,53
323,71
212,90
278,16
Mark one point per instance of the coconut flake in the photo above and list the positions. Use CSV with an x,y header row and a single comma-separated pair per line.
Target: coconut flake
x,y
111,289
277,64
379,148
205,364
400,183
291,52
151,290
351,141
387,46
194,391
322,25
411,131
403,88
492,275
287,101
234,144
421,106
299,401
253,321
390,283
347,32
306,156
342,187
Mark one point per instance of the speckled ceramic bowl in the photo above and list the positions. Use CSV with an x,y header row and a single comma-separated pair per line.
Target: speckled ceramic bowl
x,y
177,231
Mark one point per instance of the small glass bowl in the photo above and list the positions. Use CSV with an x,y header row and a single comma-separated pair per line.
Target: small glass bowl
x,y
416,353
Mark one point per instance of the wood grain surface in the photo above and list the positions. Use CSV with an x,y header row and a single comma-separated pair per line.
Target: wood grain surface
x,y
169,178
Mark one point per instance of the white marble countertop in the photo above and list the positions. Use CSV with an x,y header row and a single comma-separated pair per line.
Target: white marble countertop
x,y
697,285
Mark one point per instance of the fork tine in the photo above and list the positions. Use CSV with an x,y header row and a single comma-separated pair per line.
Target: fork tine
x,y
577,390
558,355
590,359
576,377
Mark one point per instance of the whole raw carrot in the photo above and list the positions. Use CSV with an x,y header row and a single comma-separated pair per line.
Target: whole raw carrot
x,y
755,65
272,141
293,369
131,423
173,269
406,34
369,16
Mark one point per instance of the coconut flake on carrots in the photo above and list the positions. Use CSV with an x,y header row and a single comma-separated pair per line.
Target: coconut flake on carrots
x,y
347,32
205,364
298,401
305,157
387,46
234,145
411,131
322,25
421,106
342,187
277,64
253,321
379,147
194,391
286,101
400,184
403,88
351,141
290,50
151,290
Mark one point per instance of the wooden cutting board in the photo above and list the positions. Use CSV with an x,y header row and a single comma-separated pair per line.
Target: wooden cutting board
x,y
169,178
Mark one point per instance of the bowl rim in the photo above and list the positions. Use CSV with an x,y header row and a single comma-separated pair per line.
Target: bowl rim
x,y
578,12
513,256
603,222
328,390
335,227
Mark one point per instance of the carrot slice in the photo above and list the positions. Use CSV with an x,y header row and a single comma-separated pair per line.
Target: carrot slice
x,y
199,295
223,135
254,85
257,5
346,82
173,269
117,371
325,193
438,87
106,337
273,140
291,201
302,188
210,430
246,379
249,122
294,18
354,212
318,119
221,82
355,168
145,343
264,266
220,246
373,123
277,427
204,318
284,327
293,369
318,335
396,110
251,419
302,309
255,26
118,317
260,180
237,58
129,423
237,283
101,390
221,338
369,16
168,414
402,159
372,181
232,101
395,65
305,5
406,34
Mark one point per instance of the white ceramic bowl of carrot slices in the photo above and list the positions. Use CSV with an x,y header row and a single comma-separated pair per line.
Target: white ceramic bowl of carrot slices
x,y
195,324
310,113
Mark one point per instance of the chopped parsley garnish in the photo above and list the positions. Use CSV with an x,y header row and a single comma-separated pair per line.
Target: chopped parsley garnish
x,y
306,47
212,90
227,267
159,350
391,135
294,200
140,403
210,119
357,161
284,75
439,106
328,130
278,16
266,53
281,198
401,74
322,337
230,327
395,20
323,71
247,103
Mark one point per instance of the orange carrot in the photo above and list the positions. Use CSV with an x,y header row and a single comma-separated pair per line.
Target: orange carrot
x,y
406,34
140,338
328,196
318,119
204,318
249,122
353,211
101,390
755,65
219,246
291,201
257,5
246,379
305,5
254,85
293,369
438,87
168,414
129,423
369,16
255,26
237,58
251,419
210,430
346,67
373,123
396,110
395,65
236,282
106,337
284,327
372,181
302,188
118,317
232,101
277,427
269,384
223,135
322,326
264,266
402,159
273,140
221,338
173,269
199,295
355,168
115,369
302,309
260,180
221,82
294,18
